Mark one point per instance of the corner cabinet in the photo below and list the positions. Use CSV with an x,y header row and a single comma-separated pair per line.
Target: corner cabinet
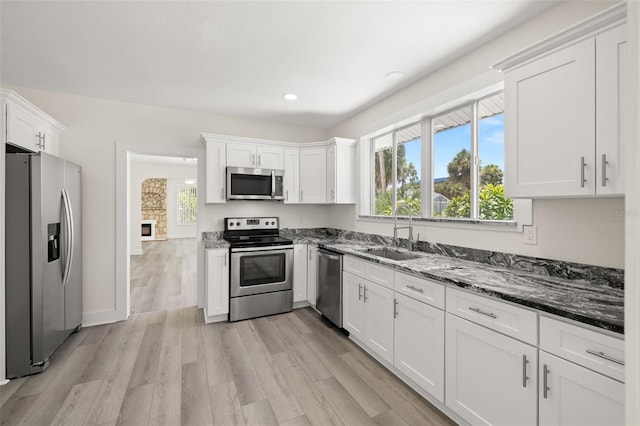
x,y
564,118
28,127
341,162
313,175
217,285
291,176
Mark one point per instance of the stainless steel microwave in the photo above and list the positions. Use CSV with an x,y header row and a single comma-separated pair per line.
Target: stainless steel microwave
x,y
254,184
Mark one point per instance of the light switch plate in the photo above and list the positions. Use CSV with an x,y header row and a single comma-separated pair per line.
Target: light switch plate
x,y
530,234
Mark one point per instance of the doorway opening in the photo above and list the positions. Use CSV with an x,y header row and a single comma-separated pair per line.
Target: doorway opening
x,y
163,212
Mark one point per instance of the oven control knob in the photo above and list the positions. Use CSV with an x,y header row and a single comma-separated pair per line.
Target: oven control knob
x,y
230,224
238,223
273,223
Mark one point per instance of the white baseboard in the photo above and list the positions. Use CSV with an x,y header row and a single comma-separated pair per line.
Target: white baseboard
x,y
214,318
100,317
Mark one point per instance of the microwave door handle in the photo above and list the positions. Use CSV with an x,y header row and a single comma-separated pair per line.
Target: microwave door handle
x,y
273,183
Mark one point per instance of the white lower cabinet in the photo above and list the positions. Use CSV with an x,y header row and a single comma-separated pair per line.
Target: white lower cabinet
x,y
419,344
573,395
299,272
312,274
368,314
217,285
491,379
353,308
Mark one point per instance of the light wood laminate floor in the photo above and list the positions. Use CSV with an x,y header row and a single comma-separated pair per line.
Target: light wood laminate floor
x,y
164,276
169,368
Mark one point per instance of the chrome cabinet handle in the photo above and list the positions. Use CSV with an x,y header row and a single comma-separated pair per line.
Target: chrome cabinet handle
x,y
253,159
259,155
488,314
545,387
582,166
524,371
44,142
395,308
310,255
359,291
286,196
604,356
365,294
419,290
604,169
225,259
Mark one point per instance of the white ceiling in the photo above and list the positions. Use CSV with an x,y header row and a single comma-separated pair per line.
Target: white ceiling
x,y
238,57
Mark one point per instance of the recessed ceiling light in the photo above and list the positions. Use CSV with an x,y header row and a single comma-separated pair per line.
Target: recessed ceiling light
x,y
394,75
290,96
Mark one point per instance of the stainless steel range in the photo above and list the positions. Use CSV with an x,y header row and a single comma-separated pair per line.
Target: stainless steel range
x,y
261,268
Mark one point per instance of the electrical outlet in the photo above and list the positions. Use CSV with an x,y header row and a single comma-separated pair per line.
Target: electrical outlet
x,y
530,234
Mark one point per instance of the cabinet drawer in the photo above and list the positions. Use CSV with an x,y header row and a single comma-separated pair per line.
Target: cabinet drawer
x,y
421,289
597,351
369,270
511,320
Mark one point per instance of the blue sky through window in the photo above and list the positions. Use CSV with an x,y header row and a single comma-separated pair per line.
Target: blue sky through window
x,y
450,142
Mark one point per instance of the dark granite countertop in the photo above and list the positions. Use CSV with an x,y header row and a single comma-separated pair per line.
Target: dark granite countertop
x,y
598,305
584,293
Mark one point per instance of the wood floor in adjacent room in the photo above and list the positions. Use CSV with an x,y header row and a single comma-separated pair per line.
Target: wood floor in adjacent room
x,y
169,368
164,276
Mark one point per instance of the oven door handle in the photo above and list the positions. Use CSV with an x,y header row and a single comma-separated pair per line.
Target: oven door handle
x,y
261,248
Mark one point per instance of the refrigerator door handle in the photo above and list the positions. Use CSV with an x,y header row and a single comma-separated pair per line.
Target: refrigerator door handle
x,y
70,234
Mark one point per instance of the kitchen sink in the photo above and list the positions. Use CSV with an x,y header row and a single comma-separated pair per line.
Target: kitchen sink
x,y
391,254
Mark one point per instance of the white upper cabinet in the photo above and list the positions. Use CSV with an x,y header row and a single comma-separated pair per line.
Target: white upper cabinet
x,y
611,92
313,175
255,155
216,171
291,175
341,161
28,127
564,112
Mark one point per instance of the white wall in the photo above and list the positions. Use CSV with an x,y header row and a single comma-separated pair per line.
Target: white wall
x,y
93,126
174,175
584,231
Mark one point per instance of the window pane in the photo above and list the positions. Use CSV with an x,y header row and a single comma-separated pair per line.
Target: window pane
x,y
382,150
452,164
409,168
187,205
493,204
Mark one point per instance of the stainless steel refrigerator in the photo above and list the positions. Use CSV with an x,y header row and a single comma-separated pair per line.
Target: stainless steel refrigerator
x,y
43,258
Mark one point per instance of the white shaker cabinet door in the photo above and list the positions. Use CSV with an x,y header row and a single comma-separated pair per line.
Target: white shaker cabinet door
x,y
573,395
299,272
491,379
291,176
313,175
612,88
419,344
353,307
217,285
216,172
550,124
379,302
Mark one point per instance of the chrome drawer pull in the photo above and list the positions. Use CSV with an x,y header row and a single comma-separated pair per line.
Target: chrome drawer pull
x,y
419,290
604,356
478,310
582,166
359,291
604,170
395,308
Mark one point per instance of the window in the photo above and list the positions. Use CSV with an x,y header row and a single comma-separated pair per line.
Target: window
x,y
397,166
187,204
465,168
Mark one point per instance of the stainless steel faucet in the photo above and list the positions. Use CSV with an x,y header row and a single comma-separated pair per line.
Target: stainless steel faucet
x,y
410,227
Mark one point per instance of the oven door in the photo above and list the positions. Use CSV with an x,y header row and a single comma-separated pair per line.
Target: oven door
x,y
254,184
258,270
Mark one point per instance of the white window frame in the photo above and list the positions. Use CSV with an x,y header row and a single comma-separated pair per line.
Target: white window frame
x,y
180,187
522,208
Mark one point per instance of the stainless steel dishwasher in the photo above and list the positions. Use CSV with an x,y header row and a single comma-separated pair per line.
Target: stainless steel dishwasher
x,y
329,294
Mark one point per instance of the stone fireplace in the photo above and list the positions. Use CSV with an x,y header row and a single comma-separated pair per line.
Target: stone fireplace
x,y
154,209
